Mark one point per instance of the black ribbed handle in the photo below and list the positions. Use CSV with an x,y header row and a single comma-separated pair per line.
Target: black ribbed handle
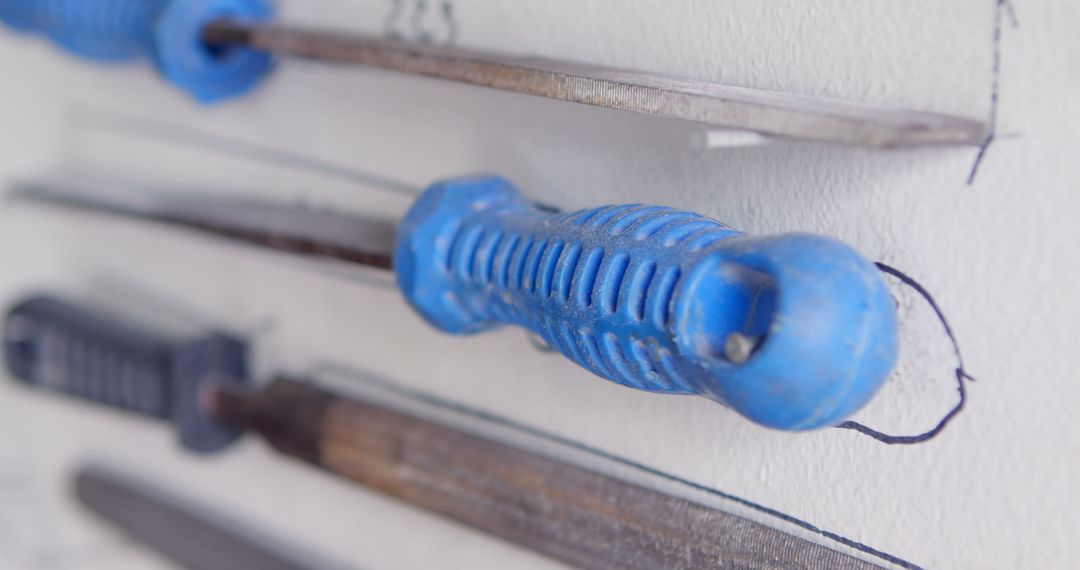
x,y
59,346
56,345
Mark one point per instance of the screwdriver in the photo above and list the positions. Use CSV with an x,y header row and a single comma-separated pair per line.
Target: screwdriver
x,y
217,49
793,331
578,516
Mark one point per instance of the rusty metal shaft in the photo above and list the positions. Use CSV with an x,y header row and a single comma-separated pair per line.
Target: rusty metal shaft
x,y
580,517
769,113
351,238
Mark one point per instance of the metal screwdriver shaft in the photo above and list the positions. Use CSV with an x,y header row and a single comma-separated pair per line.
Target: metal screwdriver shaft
x,y
353,239
738,108
216,49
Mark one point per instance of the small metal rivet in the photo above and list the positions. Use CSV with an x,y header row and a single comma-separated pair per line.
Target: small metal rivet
x,y
738,347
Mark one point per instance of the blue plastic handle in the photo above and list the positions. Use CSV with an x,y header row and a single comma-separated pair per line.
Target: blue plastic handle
x,y
168,31
649,297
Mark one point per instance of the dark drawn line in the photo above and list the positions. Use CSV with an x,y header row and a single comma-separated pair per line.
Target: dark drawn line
x,y
1011,11
457,407
414,22
390,24
199,140
961,373
451,22
398,26
1000,7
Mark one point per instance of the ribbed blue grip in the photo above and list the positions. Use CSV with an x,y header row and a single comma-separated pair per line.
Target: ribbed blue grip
x,y
106,30
648,297
169,31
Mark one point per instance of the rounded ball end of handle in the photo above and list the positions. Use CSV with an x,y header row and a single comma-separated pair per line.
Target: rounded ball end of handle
x,y
794,331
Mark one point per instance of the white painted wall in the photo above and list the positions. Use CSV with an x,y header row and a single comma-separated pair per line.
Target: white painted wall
x,y
995,490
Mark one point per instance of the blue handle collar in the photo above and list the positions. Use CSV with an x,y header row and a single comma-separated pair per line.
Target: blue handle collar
x,y
168,31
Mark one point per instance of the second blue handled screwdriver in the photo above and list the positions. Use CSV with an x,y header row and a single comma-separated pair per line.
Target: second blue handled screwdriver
x,y
792,331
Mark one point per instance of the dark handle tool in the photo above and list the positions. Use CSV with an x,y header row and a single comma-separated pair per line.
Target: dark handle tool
x,y
574,515
56,345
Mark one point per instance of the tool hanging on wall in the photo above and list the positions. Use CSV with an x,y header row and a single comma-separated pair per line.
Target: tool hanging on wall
x,y
188,535
566,512
793,331
215,49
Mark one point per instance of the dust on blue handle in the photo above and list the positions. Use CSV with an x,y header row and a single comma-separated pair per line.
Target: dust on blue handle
x,y
646,296
166,31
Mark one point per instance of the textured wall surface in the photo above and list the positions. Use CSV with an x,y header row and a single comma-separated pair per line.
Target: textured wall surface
x,y
996,489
